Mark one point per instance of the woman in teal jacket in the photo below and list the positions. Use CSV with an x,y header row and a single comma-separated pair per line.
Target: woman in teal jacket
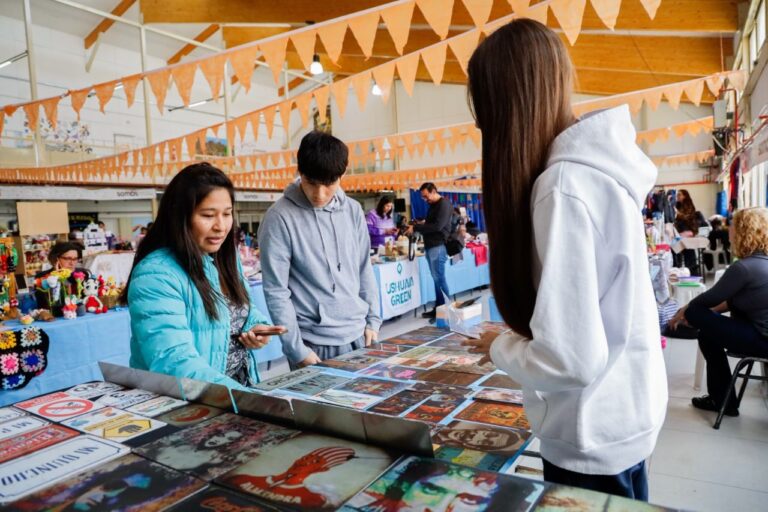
x,y
191,313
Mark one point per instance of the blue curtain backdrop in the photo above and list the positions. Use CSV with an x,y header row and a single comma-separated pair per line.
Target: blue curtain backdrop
x,y
472,202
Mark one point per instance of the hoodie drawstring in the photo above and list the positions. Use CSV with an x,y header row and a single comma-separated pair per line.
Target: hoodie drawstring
x,y
336,240
325,252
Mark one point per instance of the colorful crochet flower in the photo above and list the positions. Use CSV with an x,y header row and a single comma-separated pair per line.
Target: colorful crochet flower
x,y
32,361
7,340
13,381
9,364
30,337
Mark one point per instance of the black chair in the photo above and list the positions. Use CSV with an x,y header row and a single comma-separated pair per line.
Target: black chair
x,y
749,362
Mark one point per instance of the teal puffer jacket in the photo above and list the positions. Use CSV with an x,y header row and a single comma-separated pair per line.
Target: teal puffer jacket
x,y
171,332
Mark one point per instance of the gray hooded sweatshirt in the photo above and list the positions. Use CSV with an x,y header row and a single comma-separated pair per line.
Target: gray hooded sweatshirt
x,y
316,266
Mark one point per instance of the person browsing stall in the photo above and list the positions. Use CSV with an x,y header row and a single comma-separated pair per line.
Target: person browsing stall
x,y
568,269
191,313
743,290
315,259
436,229
381,225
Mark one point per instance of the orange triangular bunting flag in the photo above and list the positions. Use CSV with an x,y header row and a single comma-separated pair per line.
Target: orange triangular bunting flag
x,y
479,10
406,70
158,81
321,100
304,42
241,123
673,94
254,119
32,110
438,14
340,90
607,11
398,21
364,29
538,12
2,121
714,83
383,75
78,99
434,59
285,113
694,91
519,7
361,83
51,109
184,76
243,61
651,6
653,98
569,14
269,119
104,92
302,105
129,87
213,71
332,37
463,46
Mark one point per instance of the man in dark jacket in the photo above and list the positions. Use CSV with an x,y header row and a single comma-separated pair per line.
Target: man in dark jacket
x,y
435,229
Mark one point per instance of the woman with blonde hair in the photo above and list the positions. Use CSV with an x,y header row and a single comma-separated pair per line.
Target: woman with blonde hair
x,y
743,290
569,269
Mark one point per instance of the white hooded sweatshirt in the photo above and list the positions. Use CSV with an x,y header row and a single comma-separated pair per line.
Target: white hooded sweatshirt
x,y
593,375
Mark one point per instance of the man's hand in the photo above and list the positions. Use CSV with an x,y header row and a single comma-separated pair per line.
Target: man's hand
x,y
370,337
310,360
482,346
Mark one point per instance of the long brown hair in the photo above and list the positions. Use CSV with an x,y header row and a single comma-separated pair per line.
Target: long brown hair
x,y
172,230
686,211
520,85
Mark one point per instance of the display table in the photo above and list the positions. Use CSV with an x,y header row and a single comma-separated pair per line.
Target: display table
x,y
76,347
111,264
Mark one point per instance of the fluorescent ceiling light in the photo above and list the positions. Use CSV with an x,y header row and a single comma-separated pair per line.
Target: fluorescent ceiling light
x,y
13,59
198,103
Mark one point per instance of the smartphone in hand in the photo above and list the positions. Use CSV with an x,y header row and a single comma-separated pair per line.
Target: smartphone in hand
x,y
271,330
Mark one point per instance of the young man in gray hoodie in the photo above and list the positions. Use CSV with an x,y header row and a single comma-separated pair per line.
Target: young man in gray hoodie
x,y
315,259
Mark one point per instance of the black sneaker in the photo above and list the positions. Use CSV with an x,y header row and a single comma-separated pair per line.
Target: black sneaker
x,y
707,403
429,314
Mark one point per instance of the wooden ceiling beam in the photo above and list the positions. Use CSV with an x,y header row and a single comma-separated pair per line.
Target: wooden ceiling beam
x,y
106,23
693,56
189,48
682,15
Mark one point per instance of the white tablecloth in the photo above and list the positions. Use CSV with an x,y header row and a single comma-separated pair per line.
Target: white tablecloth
x,y
111,264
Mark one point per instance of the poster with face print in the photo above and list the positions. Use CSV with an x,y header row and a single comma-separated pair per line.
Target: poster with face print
x,y
216,446
504,415
485,438
419,484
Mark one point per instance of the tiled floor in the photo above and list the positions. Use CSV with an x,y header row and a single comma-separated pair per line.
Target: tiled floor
x,y
694,466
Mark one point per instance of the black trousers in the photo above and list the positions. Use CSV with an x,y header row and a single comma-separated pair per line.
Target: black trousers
x,y
718,333
630,483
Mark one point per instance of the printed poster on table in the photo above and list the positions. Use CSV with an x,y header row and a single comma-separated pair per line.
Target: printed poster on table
x,y
400,288
45,467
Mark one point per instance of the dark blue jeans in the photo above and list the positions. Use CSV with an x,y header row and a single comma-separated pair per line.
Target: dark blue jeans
x,y
718,333
437,257
631,483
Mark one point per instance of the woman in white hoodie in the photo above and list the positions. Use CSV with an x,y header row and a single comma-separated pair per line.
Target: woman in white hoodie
x,y
568,263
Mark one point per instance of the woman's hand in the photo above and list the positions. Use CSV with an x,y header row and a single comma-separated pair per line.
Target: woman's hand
x,y
258,336
482,346
679,318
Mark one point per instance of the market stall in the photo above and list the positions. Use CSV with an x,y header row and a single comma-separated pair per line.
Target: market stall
x,y
156,442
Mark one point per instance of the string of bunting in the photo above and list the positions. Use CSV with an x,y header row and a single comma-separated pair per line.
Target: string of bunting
x,y
396,16
158,158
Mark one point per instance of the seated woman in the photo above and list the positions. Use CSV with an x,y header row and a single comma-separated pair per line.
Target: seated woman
x,y
191,313
743,290
64,255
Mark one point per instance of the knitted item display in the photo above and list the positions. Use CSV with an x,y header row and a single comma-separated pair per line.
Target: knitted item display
x,y
23,356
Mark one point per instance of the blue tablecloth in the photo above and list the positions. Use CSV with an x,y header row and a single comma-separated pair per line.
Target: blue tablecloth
x,y
76,347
